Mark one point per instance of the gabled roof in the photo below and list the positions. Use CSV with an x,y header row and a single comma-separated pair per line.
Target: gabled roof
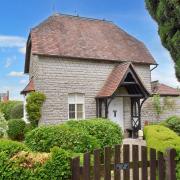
x,y
29,88
117,77
84,38
164,90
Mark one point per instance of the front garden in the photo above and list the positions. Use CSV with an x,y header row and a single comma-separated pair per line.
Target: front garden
x,y
31,152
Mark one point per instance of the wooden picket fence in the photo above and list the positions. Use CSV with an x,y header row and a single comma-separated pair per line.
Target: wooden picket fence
x,y
152,165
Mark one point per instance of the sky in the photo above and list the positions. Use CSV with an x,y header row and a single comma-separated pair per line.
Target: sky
x,y
17,17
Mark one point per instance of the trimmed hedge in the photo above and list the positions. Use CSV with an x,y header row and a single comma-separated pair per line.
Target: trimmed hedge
x,y
27,165
173,123
11,147
107,132
161,138
44,138
16,129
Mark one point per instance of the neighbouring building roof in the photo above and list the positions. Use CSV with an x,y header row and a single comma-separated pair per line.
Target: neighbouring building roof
x,y
117,77
77,37
4,97
164,90
29,88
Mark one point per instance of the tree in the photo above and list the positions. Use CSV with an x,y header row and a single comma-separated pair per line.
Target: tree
x,y
167,14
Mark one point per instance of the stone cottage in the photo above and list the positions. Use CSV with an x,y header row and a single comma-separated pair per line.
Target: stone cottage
x,y
88,68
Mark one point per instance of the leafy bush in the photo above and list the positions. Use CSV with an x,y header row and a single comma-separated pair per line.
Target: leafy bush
x,y
17,111
45,138
28,128
34,103
16,129
3,125
11,147
161,138
27,165
173,123
6,108
107,132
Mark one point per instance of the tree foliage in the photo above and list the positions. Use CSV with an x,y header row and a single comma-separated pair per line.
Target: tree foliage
x,y
167,13
7,108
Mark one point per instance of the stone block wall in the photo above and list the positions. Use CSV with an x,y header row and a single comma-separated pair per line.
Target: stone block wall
x,y
150,115
57,77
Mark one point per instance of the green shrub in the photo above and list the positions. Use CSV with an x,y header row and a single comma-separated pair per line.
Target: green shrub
x,y
173,123
107,132
11,147
3,125
27,165
28,128
161,138
45,138
17,111
6,108
34,103
16,129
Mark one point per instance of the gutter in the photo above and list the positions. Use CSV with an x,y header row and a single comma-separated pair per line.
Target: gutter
x,y
155,66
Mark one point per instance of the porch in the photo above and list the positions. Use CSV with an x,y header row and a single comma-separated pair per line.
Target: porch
x,y
122,97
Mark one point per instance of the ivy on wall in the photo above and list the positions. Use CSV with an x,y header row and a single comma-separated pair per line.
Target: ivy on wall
x,y
162,104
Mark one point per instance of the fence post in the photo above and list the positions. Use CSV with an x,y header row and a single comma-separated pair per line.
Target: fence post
x,y
75,167
171,164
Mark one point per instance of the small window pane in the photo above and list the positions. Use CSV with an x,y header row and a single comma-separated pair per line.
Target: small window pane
x,y
71,111
79,107
71,115
79,115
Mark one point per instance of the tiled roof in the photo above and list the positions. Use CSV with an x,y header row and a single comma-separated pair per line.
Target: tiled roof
x,y
78,37
164,90
29,88
115,79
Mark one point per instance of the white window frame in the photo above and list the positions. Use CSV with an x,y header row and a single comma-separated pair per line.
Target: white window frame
x,y
76,102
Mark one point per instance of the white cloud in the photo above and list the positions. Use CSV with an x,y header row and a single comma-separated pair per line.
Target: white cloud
x,y
8,62
16,74
22,50
13,42
23,81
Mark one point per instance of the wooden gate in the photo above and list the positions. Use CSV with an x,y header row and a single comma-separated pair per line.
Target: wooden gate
x,y
118,164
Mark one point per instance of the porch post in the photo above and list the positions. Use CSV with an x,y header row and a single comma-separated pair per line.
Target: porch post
x,y
106,108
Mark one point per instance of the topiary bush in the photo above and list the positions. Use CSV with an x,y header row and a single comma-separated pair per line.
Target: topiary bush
x,y
107,132
44,138
34,103
17,111
173,123
28,165
16,129
11,147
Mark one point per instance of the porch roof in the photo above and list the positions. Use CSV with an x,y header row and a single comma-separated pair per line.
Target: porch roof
x,y
117,79
29,88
